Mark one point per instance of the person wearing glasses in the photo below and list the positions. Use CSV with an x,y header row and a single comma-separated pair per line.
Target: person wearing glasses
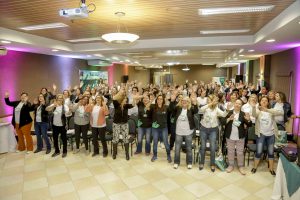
x,y
22,121
59,123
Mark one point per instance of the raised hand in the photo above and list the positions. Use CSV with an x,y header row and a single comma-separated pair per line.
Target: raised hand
x,y
54,87
247,116
6,94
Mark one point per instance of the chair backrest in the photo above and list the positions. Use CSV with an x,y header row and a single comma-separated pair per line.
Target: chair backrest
x,y
251,134
132,126
109,125
71,123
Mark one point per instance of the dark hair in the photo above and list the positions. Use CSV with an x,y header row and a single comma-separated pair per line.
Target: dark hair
x,y
156,108
220,97
264,97
24,93
137,89
44,88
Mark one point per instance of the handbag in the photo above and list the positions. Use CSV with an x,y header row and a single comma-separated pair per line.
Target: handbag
x,y
220,161
281,139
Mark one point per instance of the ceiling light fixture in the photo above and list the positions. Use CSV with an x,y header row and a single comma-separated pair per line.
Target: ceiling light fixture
x,y
85,39
224,31
98,55
43,26
251,50
186,68
5,42
176,52
120,37
270,40
241,50
215,51
241,55
55,50
234,10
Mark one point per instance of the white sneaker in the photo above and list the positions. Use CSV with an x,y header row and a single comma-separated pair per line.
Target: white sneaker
x,y
76,151
18,151
29,152
175,166
189,166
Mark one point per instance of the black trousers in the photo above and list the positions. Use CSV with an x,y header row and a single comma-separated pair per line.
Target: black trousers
x,y
63,136
99,133
81,129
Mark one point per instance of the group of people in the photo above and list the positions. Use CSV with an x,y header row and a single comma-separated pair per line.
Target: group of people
x,y
231,110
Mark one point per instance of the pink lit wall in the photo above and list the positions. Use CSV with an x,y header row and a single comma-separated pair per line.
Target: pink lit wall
x,y
30,72
282,64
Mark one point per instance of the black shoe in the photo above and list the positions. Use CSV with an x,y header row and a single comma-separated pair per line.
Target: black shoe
x,y
169,159
55,154
273,172
200,167
95,154
253,170
212,169
104,155
114,156
37,150
48,151
64,155
154,158
127,156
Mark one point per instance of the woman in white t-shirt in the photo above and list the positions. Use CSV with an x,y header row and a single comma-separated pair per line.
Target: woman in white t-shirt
x,y
265,129
59,123
209,129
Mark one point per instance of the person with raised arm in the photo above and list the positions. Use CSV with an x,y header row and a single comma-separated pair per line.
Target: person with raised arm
x,y
59,123
265,129
210,129
120,122
81,123
98,113
22,121
184,113
160,126
41,123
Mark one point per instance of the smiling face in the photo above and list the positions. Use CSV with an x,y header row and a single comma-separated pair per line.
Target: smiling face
x,y
99,100
24,97
264,102
44,91
237,105
41,98
146,100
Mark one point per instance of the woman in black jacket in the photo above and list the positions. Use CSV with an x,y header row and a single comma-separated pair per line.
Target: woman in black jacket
x,y
235,135
22,121
41,123
185,124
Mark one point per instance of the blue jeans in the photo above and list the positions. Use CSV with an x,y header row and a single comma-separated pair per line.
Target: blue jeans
x,y
188,143
211,134
260,143
40,129
141,133
160,133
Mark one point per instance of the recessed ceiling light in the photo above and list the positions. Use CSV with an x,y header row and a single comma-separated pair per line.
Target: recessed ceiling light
x,y
228,10
251,50
55,50
241,55
270,40
224,31
88,56
176,52
98,55
43,26
5,42
241,50
215,51
86,39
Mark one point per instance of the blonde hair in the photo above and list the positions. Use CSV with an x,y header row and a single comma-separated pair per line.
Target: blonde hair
x,y
188,102
119,97
212,97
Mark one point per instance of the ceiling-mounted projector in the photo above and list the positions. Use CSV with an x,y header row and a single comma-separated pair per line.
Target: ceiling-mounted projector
x,y
78,13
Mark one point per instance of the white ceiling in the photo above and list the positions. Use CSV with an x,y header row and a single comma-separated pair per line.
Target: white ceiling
x,y
285,29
